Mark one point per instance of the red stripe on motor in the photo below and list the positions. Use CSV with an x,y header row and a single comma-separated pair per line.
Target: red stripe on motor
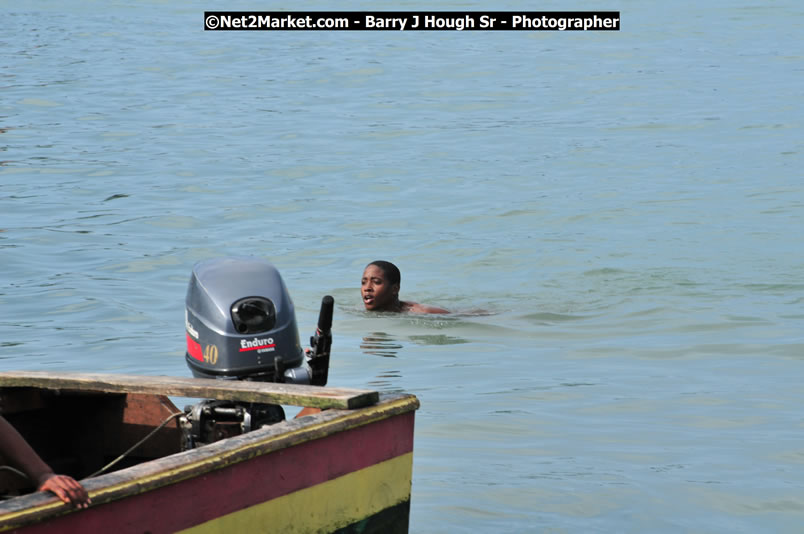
x,y
194,349
260,347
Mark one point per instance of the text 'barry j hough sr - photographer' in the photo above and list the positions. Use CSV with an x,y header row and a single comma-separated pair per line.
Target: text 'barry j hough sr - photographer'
x,y
412,21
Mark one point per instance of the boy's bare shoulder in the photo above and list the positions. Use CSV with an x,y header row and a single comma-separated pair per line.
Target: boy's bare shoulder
x,y
415,307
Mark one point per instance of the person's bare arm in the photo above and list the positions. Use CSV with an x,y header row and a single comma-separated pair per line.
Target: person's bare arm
x,y
16,450
415,307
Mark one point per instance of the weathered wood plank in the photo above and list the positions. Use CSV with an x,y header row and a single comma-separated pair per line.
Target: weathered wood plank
x,y
265,392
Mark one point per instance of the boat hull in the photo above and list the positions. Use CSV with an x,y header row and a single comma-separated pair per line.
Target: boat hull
x,y
335,471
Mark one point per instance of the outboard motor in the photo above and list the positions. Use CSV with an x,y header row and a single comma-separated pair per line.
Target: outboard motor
x,y
241,325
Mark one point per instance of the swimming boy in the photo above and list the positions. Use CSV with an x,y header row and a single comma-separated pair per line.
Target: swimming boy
x,y
380,290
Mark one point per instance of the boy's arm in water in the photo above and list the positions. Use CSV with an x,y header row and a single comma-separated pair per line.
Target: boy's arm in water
x,y
415,307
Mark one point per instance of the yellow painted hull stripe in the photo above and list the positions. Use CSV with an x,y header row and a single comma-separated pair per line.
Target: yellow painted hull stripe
x,y
324,507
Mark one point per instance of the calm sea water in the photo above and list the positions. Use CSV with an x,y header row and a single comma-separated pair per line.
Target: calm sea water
x,y
626,206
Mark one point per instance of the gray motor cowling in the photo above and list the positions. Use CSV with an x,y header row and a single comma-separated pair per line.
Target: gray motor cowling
x,y
241,323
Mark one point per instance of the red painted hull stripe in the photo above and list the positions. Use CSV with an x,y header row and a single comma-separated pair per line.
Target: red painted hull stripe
x,y
244,484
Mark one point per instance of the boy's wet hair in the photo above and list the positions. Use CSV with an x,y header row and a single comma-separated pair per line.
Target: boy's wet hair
x,y
390,270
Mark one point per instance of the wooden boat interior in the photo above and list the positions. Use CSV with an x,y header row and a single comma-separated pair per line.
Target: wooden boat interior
x,y
78,422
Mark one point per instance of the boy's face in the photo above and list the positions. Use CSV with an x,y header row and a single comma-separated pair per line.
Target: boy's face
x,y
377,293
